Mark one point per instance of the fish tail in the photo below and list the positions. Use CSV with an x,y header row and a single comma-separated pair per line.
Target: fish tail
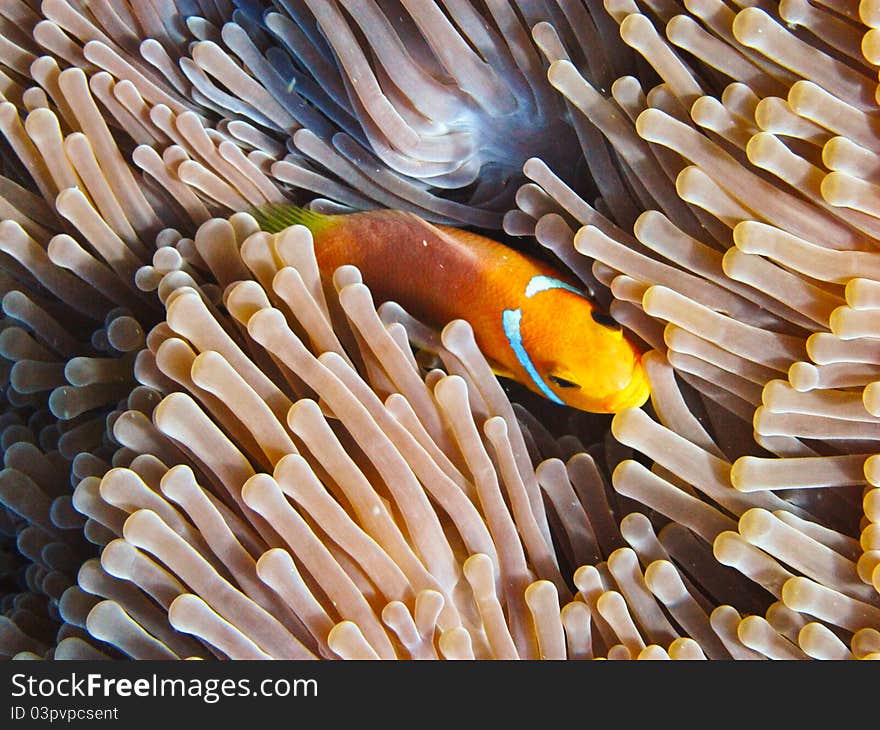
x,y
275,217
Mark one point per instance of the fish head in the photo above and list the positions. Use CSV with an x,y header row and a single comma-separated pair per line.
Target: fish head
x,y
579,356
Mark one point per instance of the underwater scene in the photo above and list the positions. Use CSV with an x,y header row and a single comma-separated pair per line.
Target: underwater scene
x,y
439,329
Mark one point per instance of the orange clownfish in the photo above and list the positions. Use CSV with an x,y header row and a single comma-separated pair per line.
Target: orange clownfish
x,y
532,322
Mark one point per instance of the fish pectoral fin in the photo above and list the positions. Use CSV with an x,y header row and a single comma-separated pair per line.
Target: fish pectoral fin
x,y
501,371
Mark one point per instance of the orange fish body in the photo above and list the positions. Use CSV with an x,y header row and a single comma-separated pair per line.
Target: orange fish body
x,y
531,321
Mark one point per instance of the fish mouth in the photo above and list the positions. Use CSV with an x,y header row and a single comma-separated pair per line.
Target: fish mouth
x,y
635,394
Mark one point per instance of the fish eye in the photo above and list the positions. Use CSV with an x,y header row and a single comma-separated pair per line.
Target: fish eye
x,y
606,320
562,382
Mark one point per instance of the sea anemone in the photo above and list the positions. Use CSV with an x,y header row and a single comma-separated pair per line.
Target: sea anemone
x,y
211,451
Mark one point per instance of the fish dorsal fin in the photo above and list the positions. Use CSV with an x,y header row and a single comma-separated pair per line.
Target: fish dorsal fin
x,y
275,217
546,282
465,236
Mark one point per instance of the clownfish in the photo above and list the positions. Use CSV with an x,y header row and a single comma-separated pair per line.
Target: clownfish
x,y
533,323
